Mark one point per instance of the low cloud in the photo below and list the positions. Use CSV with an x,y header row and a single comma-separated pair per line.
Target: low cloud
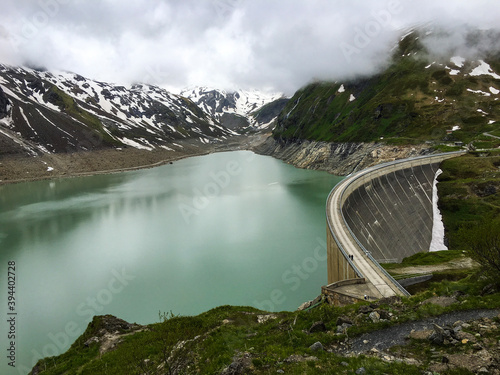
x,y
268,45
464,41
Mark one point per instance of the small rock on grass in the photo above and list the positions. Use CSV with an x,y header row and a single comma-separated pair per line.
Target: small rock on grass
x,y
365,309
343,319
317,346
374,316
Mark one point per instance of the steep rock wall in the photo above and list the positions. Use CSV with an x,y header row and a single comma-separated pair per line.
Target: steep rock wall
x,y
337,158
3,104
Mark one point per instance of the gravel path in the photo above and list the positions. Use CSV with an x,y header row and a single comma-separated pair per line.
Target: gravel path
x,y
396,335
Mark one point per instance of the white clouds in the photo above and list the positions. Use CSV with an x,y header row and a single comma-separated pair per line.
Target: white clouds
x,y
226,43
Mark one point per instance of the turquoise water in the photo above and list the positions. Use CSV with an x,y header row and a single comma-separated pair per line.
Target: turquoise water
x,y
228,228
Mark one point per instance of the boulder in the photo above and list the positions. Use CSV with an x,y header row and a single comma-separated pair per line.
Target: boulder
x,y
343,319
386,315
461,335
317,346
365,309
438,335
240,365
317,327
421,335
374,316
264,318
91,341
341,329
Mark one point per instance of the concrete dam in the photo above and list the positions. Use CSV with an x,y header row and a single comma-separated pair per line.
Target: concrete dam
x,y
381,214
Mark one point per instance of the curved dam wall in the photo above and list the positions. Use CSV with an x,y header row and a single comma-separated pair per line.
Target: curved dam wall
x,y
391,214
386,210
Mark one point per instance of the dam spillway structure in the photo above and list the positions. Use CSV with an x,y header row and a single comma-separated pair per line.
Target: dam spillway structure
x,y
381,214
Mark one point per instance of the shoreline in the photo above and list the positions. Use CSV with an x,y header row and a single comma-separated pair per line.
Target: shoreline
x,y
14,168
99,171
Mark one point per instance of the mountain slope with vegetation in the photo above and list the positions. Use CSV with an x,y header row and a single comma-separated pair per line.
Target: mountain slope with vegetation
x,y
43,112
46,113
418,98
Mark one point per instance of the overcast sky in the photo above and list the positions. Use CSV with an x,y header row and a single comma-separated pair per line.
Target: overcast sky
x,y
277,45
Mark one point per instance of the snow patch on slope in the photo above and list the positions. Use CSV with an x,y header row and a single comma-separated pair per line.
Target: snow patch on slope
x,y
484,69
458,61
134,144
479,92
216,102
437,242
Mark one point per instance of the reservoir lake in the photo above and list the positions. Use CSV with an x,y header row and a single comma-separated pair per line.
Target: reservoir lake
x,y
227,228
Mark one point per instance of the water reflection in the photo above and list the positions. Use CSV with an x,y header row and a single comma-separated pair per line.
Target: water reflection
x,y
252,219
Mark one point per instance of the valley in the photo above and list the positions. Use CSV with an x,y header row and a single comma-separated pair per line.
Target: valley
x,y
18,167
61,124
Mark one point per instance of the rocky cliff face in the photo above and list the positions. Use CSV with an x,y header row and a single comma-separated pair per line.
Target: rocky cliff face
x,y
3,104
237,110
64,112
337,158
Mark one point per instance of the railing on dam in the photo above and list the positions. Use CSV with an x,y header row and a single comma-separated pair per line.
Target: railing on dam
x,y
343,236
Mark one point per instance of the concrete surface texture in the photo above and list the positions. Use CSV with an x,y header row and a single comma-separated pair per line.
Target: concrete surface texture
x,y
383,213
391,215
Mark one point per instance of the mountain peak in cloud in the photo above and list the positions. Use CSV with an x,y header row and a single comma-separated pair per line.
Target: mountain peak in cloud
x,y
226,43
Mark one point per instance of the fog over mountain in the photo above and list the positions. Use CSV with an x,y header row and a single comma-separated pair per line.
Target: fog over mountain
x,y
267,45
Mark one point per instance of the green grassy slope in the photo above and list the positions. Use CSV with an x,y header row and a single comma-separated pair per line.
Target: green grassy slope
x,y
412,101
469,192
70,106
255,342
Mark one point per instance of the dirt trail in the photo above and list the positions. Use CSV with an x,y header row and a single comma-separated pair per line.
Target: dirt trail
x,y
396,335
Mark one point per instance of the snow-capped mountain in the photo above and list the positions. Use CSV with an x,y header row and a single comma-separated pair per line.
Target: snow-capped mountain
x,y
63,112
234,110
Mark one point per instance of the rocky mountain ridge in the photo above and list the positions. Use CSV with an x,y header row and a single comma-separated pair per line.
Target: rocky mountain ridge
x,y
235,110
43,112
